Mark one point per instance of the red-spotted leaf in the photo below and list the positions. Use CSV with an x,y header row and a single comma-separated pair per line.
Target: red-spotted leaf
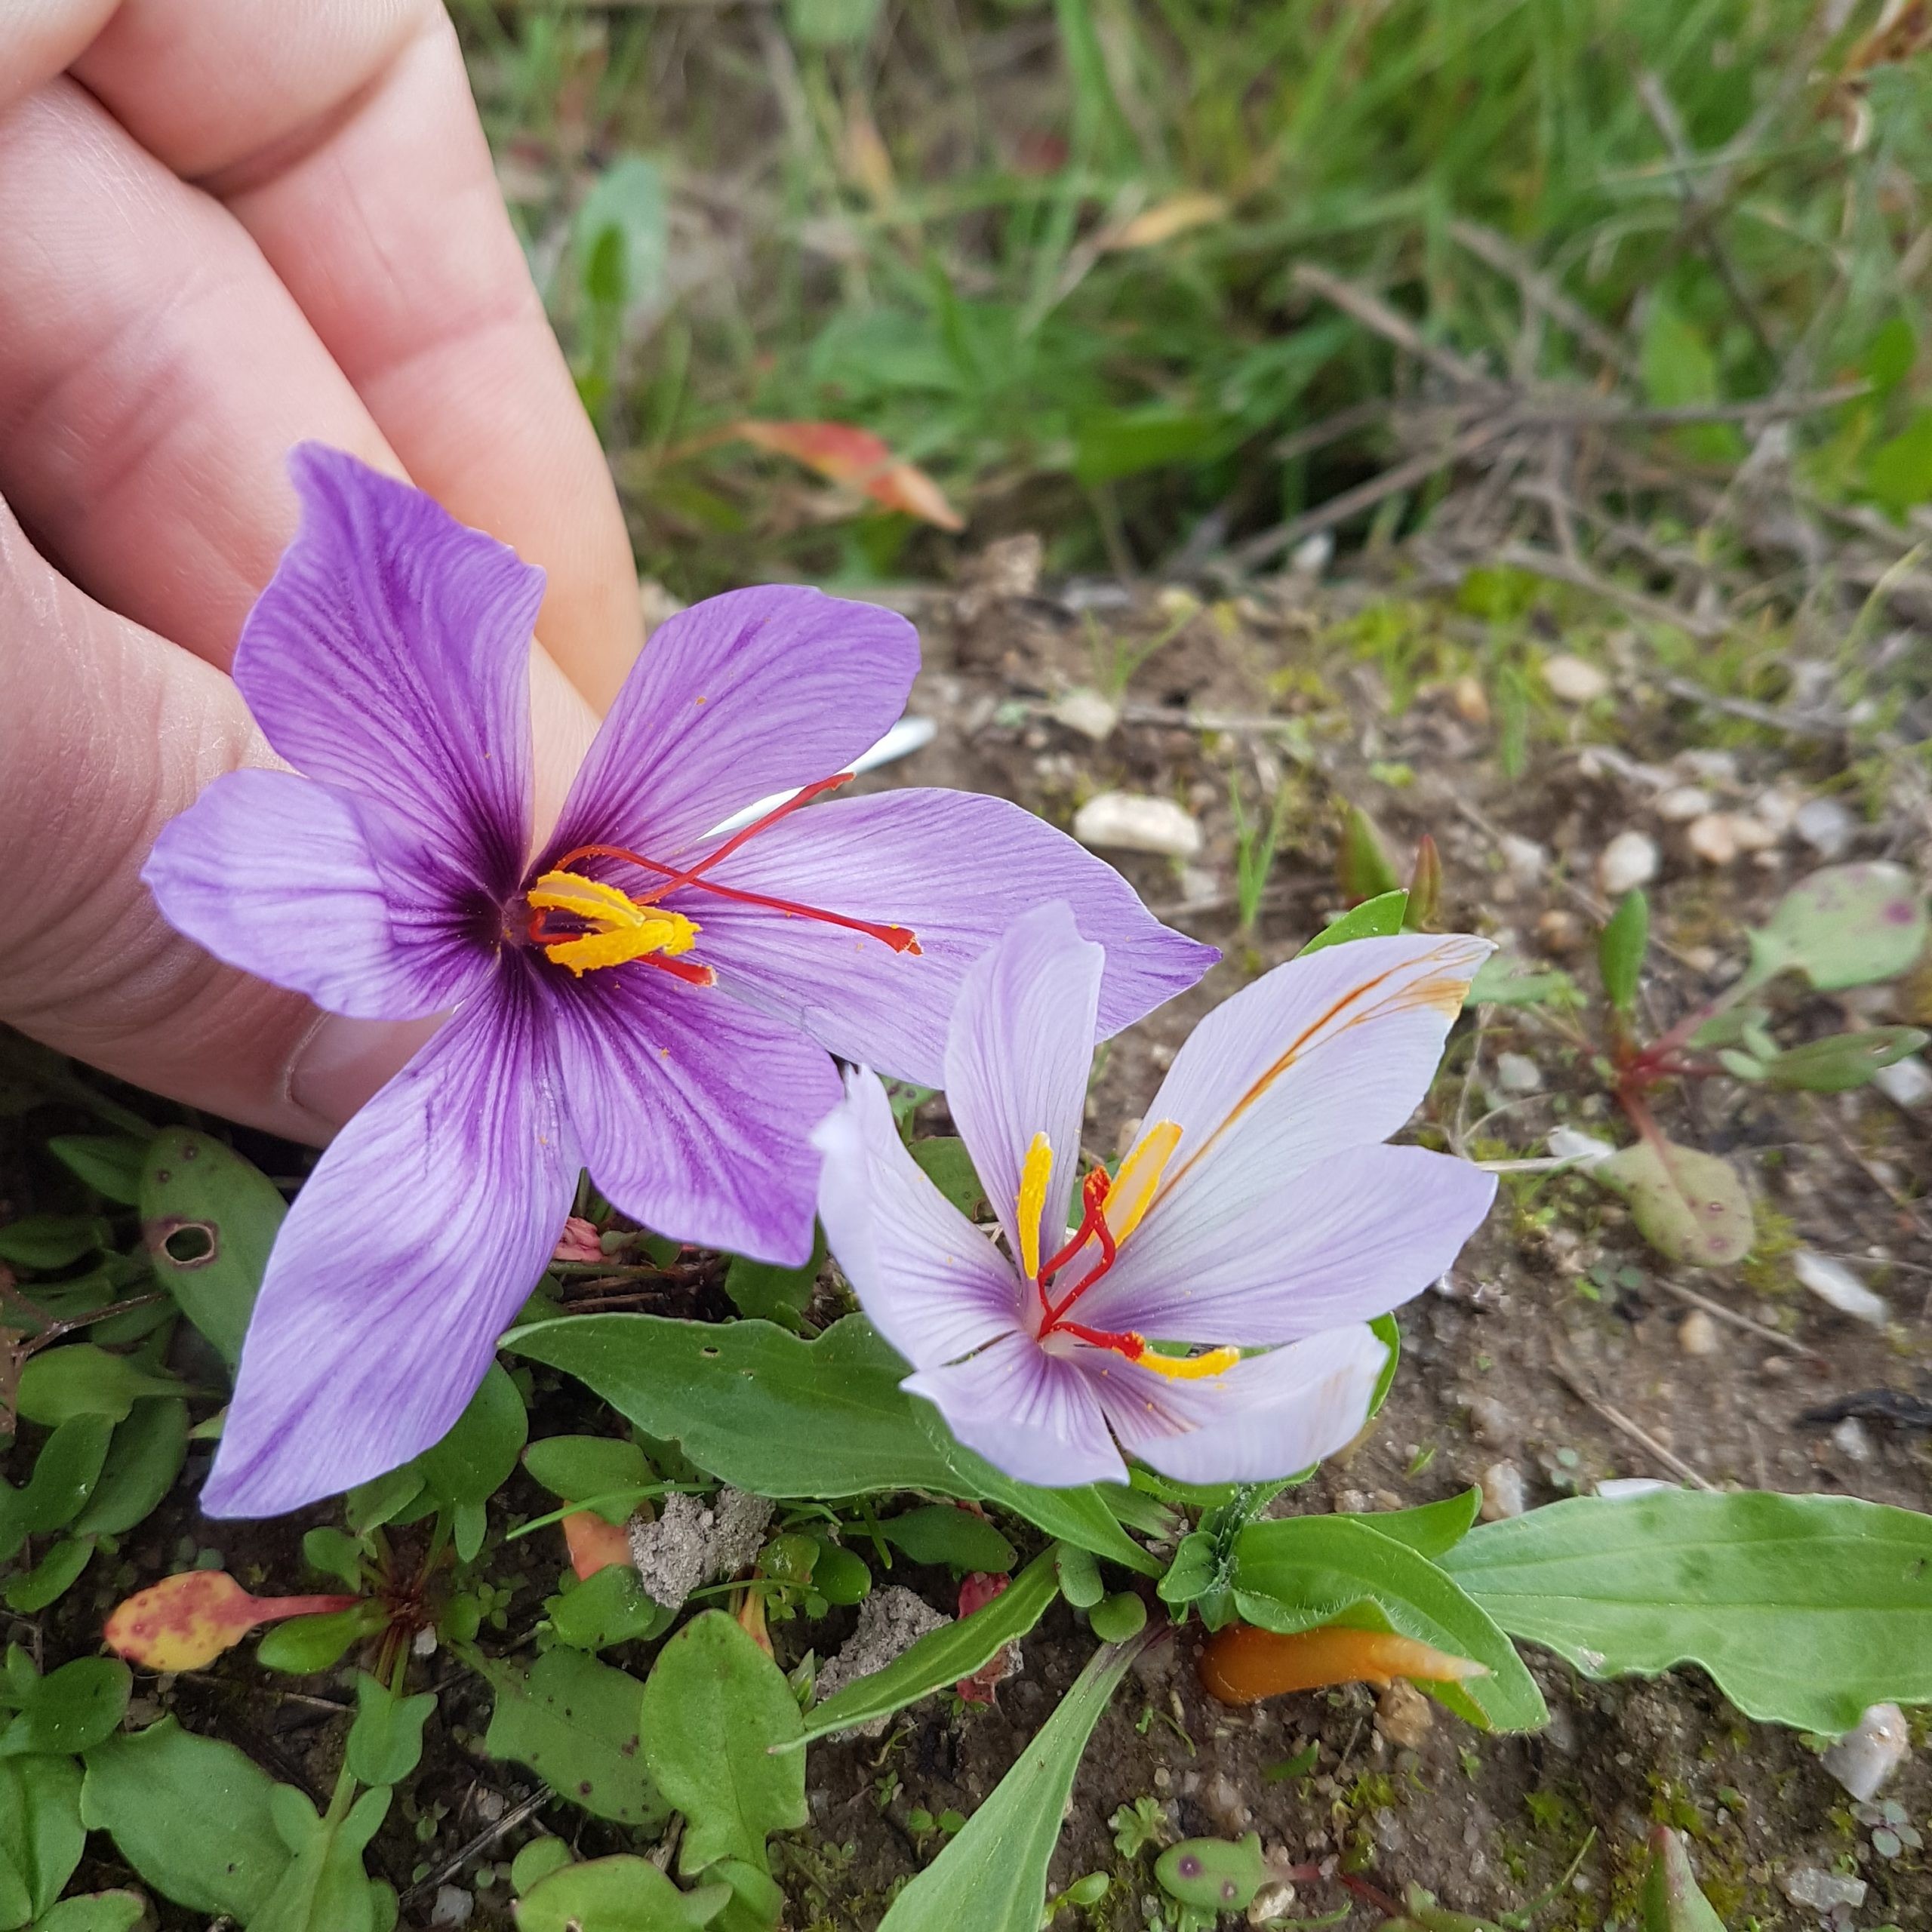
x,y
184,1622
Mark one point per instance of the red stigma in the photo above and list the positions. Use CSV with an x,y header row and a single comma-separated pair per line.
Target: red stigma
x,y
1094,1191
900,939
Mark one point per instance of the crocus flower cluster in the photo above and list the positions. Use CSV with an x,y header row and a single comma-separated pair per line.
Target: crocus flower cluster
x,y
629,993
1256,1222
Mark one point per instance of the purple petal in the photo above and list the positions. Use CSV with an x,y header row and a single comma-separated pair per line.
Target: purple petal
x,y
275,874
1035,1416
1017,1059
422,1229
1242,1257
959,869
929,1280
1333,1049
390,656
692,1110
745,694
1267,1417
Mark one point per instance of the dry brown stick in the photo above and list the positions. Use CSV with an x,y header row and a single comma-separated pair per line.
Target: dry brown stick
x,y
1567,1374
1373,313
1253,551
1760,1329
1794,724
481,1843
1639,604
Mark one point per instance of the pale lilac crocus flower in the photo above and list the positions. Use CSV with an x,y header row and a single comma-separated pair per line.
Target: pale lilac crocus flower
x,y
1258,1218
640,996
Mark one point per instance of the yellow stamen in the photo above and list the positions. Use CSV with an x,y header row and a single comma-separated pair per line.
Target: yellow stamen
x,y
1034,1173
620,929
1133,1190
1189,1368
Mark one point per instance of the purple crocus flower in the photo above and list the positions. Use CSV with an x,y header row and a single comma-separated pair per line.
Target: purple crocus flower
x,y
1257,1211
638,997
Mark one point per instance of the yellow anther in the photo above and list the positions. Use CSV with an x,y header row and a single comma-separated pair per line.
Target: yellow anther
x,y
1133,1191
1034,1173
620,929
1189,1368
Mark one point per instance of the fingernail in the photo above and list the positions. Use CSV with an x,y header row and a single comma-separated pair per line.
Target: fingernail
x,y
344,1062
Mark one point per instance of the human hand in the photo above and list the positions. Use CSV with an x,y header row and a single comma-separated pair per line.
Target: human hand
x,y
226,226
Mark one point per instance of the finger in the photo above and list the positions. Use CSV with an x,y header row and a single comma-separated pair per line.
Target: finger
x,y
344,138
106,732
153,376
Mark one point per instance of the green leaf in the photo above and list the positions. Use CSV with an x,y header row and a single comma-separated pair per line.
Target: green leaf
x,y
993,1876
537,1860
1621,946
305,1644
1082,1515
1805,1609
72,1709
715,1708
50,1240
944,1656
1433,1529
1671,1901
51,1578
334,1553
767,1293
1502,981
1898,473
1386,1331
574,1722
575,1467
190,1814
93,1912
1690,1206
78,1379
1374,919
385,1740
1116,1618
1841,1061
210,1218
476,1459
1678,372
110,1164
831,22
324,1888
610,1607
1079,1577
1297,1572
40,1835
621,233
1889,355
382,1499
1847,926
618,1894
754,1901
1364,869
142,1460
947,1164
840,1575
752,1405
939,1532
66,1473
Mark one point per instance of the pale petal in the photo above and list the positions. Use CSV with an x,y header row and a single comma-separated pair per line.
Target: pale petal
x,y
1266,1417
1034,1415
958,869
421,1232
1017,1059
1238,1257
929,1280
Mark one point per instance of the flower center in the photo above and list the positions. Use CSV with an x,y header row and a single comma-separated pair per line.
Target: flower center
x,y
613,927
1110,1210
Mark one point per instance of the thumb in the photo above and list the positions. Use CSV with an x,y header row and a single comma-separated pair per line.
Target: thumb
x,y
107,731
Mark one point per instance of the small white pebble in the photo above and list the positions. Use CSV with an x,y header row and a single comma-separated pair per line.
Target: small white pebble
x,y
1682,803
1309,558
1822,1890
453,1906
1630,861
1713,838
1697,1335
1574,680
1617,1488
1083,709
1526,860
1852,1440
1273,1901
1906,1082
1133,822
1503,1492
1517,1073
1832,1282
1826,826
1571,1143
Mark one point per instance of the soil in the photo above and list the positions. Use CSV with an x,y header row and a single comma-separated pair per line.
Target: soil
x,y
1556,1317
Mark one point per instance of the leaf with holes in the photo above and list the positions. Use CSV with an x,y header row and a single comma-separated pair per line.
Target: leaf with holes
x,y
209,1218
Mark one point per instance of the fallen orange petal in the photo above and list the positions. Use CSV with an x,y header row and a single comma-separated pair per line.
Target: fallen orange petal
x,y
1242,1665
184,1622
595,1545
845,454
